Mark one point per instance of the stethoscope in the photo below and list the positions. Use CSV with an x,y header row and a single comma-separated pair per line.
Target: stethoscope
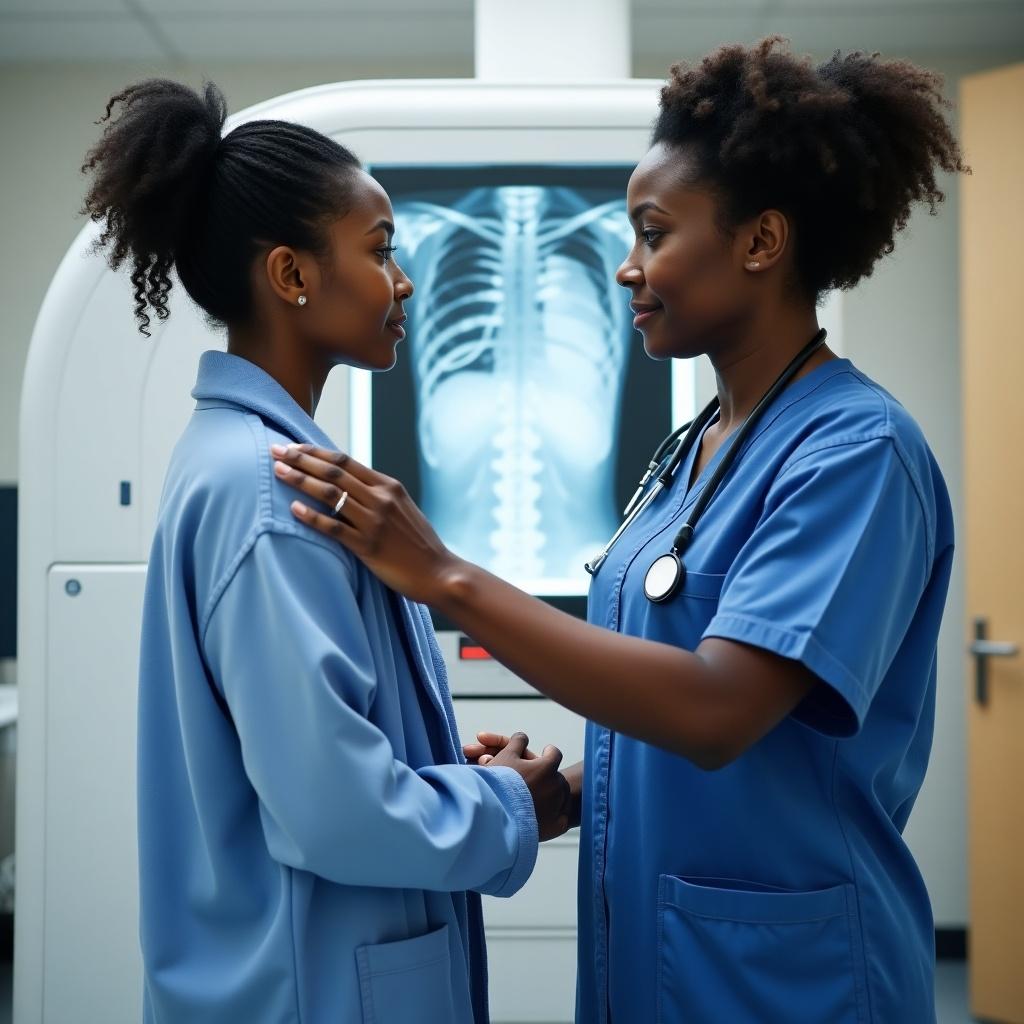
x,y
666,573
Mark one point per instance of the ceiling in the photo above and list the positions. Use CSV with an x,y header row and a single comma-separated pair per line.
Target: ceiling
x,y
433,31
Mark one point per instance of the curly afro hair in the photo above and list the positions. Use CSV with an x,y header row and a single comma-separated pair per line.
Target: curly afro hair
x,y
174,195
843,148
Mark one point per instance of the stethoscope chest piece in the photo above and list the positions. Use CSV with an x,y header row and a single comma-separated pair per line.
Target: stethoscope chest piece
x,y
664,577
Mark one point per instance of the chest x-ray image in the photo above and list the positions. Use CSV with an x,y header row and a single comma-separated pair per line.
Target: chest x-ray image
x,y
519,347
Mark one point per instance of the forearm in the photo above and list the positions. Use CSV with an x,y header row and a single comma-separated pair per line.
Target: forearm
x,y
652,691
709,705
574,776
447,827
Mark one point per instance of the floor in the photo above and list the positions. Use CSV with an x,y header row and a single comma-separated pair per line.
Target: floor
x,y
5,993
950,993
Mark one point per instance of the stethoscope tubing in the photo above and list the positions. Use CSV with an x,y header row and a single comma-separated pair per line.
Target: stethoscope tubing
x,y
678,444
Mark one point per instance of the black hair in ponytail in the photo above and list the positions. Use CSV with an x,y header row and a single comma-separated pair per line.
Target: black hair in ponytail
x,y
174,194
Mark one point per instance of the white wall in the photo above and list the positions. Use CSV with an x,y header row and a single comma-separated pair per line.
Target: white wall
x,y
901,327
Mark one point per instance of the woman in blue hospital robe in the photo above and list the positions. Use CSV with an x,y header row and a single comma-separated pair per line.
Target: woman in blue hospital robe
x,y
307,832
312,843
757,741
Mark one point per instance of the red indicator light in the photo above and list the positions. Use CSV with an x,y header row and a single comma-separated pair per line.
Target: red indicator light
x,y
472,652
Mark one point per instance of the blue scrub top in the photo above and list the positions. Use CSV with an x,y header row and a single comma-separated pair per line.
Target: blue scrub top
x,y
311,841
779,888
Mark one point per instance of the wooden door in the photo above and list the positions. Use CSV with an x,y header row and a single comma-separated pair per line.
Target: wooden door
x,y
992,277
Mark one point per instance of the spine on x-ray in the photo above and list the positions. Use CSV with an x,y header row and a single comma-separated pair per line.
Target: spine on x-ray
x,y
492,269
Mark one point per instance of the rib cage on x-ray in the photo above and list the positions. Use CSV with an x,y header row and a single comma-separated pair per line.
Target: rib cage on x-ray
x,y
518,339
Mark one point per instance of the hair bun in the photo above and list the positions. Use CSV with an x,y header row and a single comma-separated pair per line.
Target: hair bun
x,y
845,149
148,172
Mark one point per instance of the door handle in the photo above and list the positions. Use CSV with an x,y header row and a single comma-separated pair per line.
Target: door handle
x,y
982,649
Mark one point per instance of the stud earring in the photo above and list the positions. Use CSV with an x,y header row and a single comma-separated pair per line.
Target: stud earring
x,y
302,300
753,265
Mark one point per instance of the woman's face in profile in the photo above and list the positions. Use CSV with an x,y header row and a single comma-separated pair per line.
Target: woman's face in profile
x,y
357,312
686,280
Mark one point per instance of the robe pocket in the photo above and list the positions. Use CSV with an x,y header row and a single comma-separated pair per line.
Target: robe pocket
x,y
407,980
748,954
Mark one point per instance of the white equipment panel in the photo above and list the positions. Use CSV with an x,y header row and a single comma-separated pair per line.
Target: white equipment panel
x,y
91,871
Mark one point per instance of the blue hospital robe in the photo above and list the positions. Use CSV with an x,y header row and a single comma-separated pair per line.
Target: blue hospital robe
x,y
311,842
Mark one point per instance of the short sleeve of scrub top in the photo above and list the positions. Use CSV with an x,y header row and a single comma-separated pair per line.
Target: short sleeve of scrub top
x,y
832,574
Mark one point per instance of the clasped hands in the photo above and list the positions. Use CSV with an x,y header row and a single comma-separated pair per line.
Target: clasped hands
x,y
556,794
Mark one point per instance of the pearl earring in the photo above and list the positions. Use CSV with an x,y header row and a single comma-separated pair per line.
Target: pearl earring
x,y
302,300
753,265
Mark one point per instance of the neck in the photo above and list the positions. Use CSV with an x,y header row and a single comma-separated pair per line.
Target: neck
x,y
291,364
747,364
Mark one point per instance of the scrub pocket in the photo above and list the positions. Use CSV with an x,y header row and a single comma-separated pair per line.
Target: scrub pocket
x,y
409,980
750,954
681,621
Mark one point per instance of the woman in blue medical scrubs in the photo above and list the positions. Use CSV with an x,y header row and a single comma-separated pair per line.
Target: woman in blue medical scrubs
x,y
311,840
758,669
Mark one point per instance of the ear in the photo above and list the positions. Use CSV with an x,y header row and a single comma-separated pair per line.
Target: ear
x,y
290,274
763,241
